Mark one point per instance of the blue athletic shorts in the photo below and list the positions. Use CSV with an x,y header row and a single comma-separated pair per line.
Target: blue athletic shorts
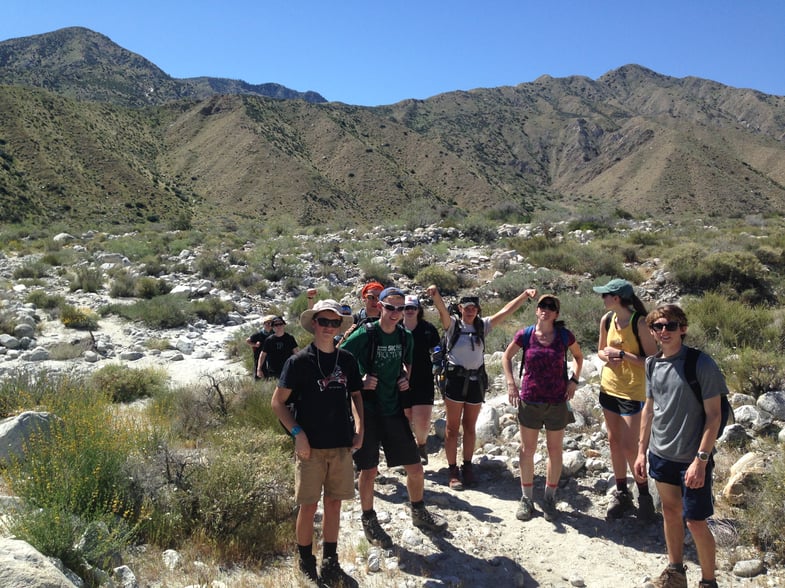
x,y
697,503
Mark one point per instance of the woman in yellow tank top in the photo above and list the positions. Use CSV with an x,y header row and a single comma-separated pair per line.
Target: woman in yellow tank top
x,y
625,342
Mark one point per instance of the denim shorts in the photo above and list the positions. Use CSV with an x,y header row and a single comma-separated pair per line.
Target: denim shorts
x,y
697,503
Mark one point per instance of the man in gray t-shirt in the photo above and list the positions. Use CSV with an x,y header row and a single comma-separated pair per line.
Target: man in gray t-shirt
x,y
677,439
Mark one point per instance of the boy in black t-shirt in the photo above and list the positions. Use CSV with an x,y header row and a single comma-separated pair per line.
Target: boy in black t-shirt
x,y
277,348
319,381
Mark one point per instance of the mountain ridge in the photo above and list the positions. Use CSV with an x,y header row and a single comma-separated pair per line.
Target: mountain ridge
x,y
633,142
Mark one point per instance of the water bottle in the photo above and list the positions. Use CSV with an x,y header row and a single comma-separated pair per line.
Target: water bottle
x,y
436,360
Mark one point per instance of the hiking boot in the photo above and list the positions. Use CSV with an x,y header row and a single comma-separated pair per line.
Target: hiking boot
x,y
307,572
423,454
334,577
424,519
467,473
525,509
549,511
620,504
455,478
672,577
374,532
646,510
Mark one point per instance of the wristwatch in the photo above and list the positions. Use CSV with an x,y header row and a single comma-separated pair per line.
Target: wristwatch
x,y
621,354
703,456
296,430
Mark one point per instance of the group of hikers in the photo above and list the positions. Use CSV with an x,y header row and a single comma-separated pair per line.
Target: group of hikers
x,y
366,383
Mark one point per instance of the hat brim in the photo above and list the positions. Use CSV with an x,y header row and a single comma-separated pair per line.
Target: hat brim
x,y
306,319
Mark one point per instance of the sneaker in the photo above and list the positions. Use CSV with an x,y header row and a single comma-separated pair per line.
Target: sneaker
x,y
424,519
374,532
307,569
467,473
525,509
672,578
421,449
455,478
334,577
620,504
549,511
646,510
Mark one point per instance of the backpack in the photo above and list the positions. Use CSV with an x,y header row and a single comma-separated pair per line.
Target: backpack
x,y
633,322
439,353
691,375
527,335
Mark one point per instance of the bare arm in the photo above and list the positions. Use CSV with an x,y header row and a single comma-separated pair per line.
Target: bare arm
x,y
438,302
359,419
643,441
512,387
512,306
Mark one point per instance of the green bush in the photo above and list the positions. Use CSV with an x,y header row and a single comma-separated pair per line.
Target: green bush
x,y
755,372
162,312
210,266
44,300
86,279
72,480
124,384
445,280
123,285
78,318
31,271
736,274
412,262
732,323
147,287
374,269
214,310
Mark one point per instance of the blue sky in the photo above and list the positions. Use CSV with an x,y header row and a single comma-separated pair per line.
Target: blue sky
x,y
370,53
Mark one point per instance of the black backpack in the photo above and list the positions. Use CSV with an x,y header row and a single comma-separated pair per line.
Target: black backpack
x,y
691,375
633,322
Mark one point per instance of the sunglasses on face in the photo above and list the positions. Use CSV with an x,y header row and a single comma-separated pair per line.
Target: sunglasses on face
x,y
371,297
669,326
279,324
548,306
327,322
393,308
606,294
410,307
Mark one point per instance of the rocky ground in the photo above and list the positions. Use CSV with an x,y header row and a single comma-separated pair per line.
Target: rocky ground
x,y
485,544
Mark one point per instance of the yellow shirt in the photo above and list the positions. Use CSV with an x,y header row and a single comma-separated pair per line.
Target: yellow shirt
x,y
623,379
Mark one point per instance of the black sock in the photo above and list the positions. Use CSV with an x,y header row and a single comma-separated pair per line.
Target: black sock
x,y
306,551
643,488
419,504
467,462
329,549
368,514
621,485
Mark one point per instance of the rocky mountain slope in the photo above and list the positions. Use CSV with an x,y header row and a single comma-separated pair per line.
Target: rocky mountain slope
x,y
631,143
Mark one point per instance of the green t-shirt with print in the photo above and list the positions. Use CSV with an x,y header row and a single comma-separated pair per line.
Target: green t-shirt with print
x,y
387,366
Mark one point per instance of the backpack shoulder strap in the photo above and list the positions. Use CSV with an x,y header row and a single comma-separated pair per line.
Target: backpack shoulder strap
x,y
402,336
373,344
456,332
527,335
479,327
691,371
608,318
634,319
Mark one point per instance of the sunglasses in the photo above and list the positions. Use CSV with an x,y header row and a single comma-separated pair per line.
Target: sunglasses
x,y
279,324
371,297
392,308
410,307
548,306
326,322
669,326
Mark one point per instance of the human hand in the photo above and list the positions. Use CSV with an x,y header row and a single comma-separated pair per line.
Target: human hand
x,y
369,382
403,383
432,291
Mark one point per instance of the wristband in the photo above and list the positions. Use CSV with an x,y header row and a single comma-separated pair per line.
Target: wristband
x,y
296,430
574,379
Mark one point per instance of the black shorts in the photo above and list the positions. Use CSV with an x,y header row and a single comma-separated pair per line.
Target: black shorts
x,y
417,396
394,435
620,406
461,389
